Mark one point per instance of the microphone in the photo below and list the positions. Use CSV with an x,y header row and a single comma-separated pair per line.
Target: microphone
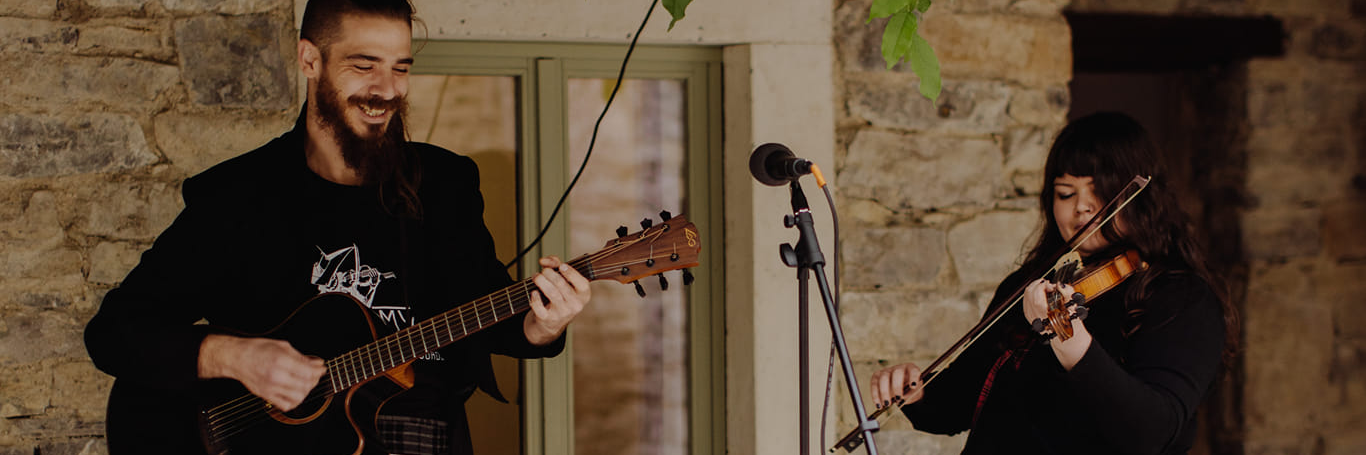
x,y
774,164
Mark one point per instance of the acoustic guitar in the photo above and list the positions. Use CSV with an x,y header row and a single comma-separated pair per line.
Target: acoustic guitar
x,y
364,370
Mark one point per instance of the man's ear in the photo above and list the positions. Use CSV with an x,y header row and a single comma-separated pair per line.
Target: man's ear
x,y
310,59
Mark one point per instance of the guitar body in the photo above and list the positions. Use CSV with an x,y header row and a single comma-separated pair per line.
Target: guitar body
x,y
229,420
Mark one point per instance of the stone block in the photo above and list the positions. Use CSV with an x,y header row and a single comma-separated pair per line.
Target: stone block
x,y
891,100
28,8
894,257
1030,50
36,253
236,61
75,446
906,171
1281,233
1126,6
1302,93
1342,286
79,388
1343,236
868,213
234,7
195,142
987,248
27,388
1340,39
110,262
1296,166
36,335
1290,345
30,35
45,146
1045,107
1302,8
905,326
133,210
143,39
122,83
1026,150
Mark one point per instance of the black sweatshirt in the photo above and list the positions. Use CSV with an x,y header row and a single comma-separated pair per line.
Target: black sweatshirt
x,y
261,234
1127,395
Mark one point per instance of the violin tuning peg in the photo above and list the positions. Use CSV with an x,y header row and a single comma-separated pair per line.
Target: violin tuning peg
x,y
621,231
1081,313
663,283
665,215
646,223
687,277
639,290
1078,298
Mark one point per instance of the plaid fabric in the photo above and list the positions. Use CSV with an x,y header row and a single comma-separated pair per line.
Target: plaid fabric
x,y
991,377
412,435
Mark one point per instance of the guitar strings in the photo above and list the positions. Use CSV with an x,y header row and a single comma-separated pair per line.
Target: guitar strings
x,y
234,416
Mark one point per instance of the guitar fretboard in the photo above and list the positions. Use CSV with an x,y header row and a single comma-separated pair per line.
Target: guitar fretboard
x,y
423,338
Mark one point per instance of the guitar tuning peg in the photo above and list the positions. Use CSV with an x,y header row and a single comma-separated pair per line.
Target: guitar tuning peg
x,y
663,283
621,231
646,223
687,277
665,215
639,290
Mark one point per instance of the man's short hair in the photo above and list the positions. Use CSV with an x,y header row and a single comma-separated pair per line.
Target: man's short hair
x,y
322,18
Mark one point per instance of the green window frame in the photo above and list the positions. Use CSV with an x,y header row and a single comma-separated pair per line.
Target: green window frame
x,y
542,71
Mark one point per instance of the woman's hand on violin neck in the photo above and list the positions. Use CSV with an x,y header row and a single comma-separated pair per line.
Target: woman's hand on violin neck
x,y
1036,299
1036,308
897,385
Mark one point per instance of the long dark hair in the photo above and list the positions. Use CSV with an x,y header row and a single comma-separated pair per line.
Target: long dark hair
x,y
1112,148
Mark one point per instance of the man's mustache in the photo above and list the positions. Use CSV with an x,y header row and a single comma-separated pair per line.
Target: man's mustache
x,y
376,102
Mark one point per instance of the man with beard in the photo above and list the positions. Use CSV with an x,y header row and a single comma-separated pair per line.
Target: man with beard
x,y
287,223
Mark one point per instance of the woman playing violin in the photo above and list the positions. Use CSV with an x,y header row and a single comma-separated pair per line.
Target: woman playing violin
x,y
1134,370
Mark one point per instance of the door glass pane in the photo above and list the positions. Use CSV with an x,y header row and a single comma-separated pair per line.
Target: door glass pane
x,y
476,116
630,353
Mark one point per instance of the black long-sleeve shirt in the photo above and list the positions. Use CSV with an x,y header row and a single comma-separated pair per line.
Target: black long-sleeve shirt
x,y
1127,395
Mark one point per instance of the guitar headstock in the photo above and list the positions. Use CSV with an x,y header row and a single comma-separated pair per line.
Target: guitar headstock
x,y
670,245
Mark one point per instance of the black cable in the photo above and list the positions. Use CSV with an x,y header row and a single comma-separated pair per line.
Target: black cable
x,y
593,140
830,364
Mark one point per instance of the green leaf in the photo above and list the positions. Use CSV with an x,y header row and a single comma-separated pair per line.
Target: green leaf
x,y
923,6
926,65
884,8
676,9
896,38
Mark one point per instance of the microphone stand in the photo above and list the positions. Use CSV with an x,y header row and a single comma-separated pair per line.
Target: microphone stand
x,y
807,257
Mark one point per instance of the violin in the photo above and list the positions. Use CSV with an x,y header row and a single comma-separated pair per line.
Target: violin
x,y
1094,280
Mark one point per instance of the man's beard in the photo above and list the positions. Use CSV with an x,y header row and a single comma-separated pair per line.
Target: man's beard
x,y
376,155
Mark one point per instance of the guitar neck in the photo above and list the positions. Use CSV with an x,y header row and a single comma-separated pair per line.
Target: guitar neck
x,y
426,337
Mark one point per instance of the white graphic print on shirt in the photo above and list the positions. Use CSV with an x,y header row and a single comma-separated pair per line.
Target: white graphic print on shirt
x,y
342,272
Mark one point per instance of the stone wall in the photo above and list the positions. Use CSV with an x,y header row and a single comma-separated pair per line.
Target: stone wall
x,y
106,106
938,201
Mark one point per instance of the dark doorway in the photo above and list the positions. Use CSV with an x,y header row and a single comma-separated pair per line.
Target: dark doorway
x,y
1185,79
